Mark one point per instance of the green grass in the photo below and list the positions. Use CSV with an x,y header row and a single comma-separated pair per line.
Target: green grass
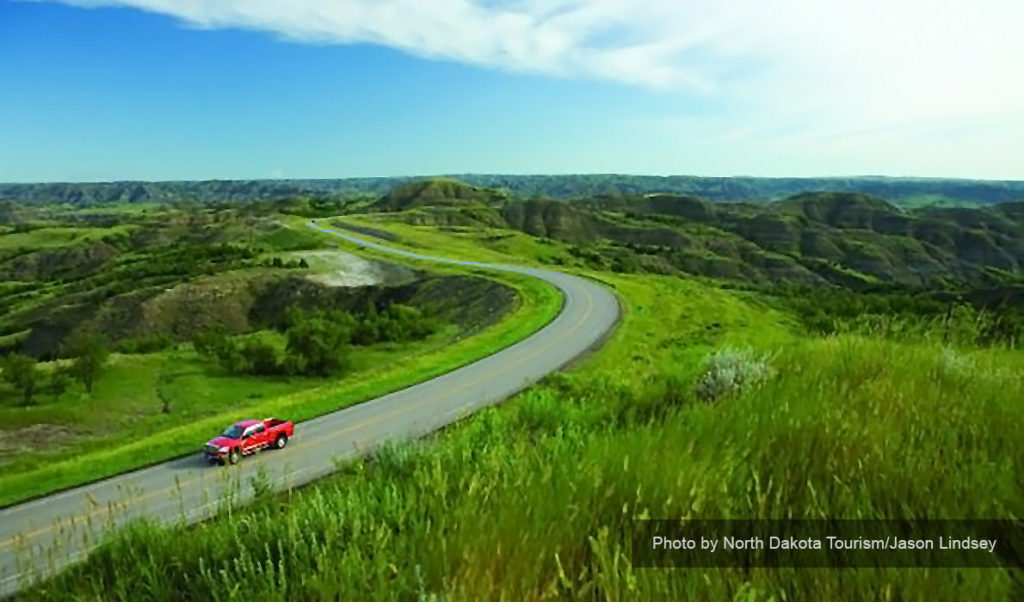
x,y
126,405
289,239
538,304
51,238
478,244
669,322
534,499
118,209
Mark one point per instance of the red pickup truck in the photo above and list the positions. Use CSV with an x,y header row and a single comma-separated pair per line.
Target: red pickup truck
x,y
246,437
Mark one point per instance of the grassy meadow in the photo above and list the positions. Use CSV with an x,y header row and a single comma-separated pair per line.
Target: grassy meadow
x,y
533,499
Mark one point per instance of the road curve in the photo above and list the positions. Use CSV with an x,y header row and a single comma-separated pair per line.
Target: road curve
x,y
42,536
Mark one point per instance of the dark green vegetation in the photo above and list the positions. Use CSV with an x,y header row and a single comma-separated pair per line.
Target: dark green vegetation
x,y
89,353
315,343
145,281
969,318
315,197
20,372
778,361
110,273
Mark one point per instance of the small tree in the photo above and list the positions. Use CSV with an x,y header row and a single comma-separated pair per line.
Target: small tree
x,y
211,342
59,381
20,371
367,330
317,346
261,356
90,356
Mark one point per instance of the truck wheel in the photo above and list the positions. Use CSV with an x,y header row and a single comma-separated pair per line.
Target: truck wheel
x,y
234,456
281,441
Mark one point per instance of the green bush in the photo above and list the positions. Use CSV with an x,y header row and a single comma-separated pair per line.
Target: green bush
x,y
258,354
261,356
209,342
317,344
22,373
144,344
59,381
396,324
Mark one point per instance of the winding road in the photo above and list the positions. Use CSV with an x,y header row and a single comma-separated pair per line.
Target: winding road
x,y
42,536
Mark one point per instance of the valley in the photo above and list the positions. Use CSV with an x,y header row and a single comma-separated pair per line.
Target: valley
x,y
829,354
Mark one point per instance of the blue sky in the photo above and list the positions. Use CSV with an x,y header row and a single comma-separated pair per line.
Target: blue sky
x,y
193,89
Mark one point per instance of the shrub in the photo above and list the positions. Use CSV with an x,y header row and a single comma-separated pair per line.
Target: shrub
x,y
397,323
729,371
260,356
22,373
60,379
255,355
366,332
90,353
144,344
211,342
317,345
317,341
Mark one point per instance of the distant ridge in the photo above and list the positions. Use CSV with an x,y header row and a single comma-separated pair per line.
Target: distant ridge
x,y
912,192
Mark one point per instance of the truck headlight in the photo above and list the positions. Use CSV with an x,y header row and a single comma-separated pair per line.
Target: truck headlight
x,y
223,450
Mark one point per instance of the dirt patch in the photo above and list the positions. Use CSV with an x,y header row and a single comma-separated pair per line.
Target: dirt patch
x,y
35,438
337,268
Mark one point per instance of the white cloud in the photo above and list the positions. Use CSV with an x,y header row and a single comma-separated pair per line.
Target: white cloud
x,y
814,69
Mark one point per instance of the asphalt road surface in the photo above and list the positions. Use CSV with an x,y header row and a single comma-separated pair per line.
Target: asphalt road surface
x,y
40,537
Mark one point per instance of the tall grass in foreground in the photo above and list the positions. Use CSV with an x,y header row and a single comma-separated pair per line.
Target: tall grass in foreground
x,y
534,500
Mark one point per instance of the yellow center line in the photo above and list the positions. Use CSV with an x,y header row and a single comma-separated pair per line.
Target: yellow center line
x,y
332,435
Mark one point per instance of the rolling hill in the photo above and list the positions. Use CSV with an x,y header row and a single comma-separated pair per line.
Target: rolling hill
x,y
853,240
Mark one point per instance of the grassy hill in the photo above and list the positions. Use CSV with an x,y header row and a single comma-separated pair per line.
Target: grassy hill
x,y
438,192
851,240
847,247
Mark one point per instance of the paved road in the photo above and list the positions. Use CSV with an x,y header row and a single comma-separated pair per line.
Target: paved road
x,y
39,537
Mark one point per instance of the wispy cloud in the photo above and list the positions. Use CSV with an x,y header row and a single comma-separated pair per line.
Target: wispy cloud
x,y
597,38
824,68
945,49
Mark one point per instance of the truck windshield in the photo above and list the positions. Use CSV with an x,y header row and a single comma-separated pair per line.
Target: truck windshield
x,y
233,432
